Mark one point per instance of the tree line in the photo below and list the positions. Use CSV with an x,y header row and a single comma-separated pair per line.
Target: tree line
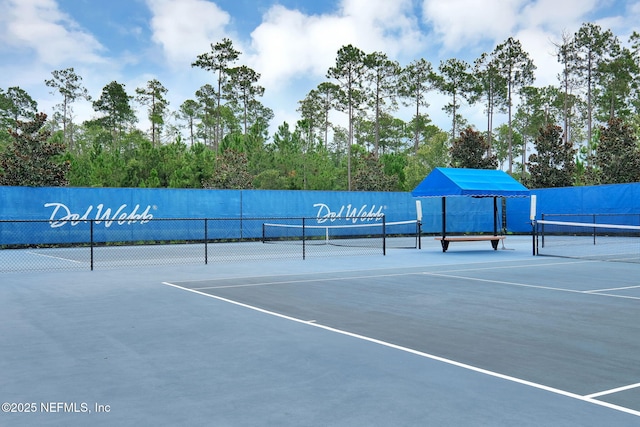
x,y
584,130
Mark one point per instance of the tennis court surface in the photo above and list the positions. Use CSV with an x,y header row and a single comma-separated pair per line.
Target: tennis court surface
x,y
472,336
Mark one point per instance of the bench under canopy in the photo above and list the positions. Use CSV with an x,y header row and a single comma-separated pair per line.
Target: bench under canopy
x,y
459,182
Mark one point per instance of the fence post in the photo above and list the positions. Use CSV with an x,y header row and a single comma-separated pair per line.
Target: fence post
x,y
206,241
384,235
91,238
542,229
304,253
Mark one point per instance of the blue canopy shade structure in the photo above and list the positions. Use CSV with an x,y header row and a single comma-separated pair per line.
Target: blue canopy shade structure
x,y
449,182
457,182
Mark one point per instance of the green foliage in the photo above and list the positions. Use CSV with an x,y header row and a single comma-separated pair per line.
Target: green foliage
x,y
218,61
270,179
137,163
321,171
381,78
32,160
230,173
370,176
491,87
242,92
470,150
516,67
414,82
114,104
553,164
591,45
455,80
349,71
153,95
501,143
225,126
432,154
617,156
69,85
618,80
15,104
287,156
394,164
315,109
189,111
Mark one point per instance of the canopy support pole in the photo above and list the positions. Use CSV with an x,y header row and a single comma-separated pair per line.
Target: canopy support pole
x,y
444,217
444,242
495,215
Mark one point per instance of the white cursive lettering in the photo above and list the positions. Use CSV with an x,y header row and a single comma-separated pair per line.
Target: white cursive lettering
x,y
62,215
349,212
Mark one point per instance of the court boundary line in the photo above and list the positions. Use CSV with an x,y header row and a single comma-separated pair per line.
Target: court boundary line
x,y
597,292
505,267
419,269
524,285
612,289
613,390
451,362
286,282
57,258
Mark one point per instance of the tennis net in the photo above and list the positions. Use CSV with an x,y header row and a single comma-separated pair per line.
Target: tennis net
x,y
399,234
588,240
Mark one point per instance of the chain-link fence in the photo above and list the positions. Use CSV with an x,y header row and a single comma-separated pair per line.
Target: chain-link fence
x,y
92,244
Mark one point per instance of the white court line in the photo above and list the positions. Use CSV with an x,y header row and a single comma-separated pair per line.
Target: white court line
x,y
612,289
56,257
499,266
524,285
613,390
441,274
418,353
503,267
501,282
328,273
612,295
305,273
285,282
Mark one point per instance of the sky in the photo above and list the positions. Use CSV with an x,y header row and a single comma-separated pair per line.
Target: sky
x,y
291,43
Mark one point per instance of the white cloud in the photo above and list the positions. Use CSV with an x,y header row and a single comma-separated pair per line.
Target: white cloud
x,y
186,28
540,32
567,15
539,45
460,24
629,21
464,25
388,26
293,51
289,44
40,27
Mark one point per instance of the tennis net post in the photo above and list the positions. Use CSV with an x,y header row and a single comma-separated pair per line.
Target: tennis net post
x,y
588,240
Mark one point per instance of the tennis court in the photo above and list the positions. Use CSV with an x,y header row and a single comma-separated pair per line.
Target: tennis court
x,y
472,336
